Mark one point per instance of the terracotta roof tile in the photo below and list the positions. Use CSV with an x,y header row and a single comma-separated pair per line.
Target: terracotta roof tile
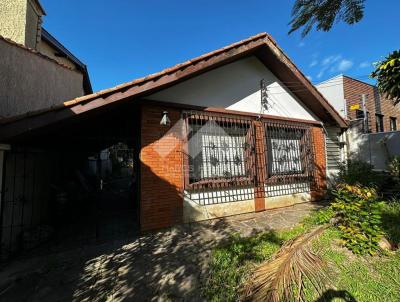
x,y
165,71
134,82
259,39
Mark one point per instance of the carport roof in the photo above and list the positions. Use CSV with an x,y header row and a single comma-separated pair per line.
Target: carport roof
x,y
261,45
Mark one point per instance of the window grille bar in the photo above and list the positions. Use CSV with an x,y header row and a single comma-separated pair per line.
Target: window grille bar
x,y
221,163
290,157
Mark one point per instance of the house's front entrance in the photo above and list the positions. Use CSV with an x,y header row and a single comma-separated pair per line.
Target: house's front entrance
x,y
107,207
115,196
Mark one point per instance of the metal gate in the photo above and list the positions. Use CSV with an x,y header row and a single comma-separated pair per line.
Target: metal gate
x,y
23,203
67,198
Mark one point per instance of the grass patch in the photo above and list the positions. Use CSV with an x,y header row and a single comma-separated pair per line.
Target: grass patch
x,y
391,221
363,278
231,263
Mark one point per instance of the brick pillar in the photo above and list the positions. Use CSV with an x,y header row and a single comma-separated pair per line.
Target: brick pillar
x,y
320,163
260,166
161,181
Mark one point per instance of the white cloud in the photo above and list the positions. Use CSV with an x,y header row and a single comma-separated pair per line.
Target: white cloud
x,y
313,63
330,60
365,64
309,78
344,65
332,64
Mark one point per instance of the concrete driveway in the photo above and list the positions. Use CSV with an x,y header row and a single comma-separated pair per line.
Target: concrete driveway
x,y
168,265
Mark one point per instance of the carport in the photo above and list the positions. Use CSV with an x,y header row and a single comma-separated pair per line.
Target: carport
x,y
72,181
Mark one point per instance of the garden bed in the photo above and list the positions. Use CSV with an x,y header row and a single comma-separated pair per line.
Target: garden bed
x,y
352,277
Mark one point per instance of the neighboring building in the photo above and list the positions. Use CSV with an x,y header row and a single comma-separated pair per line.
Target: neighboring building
x,y
36,71
20,21
218,135
345,94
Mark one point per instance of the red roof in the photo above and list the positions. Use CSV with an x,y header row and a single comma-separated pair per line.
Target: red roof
x,y
261,45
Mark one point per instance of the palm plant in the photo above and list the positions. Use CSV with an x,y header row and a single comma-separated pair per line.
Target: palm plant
x,y
324,13
284,278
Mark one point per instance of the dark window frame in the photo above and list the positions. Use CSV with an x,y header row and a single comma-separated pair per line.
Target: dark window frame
x,y
359,114
379,123
393,123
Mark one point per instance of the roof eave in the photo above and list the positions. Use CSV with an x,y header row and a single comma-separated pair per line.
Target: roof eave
x,y
166,78
46,36
40,7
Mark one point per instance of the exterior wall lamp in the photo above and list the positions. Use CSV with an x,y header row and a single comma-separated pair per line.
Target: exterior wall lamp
x,y
165,121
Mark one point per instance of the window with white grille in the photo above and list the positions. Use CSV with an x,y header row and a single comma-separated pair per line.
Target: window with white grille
x,y
286,150
217,150
285,156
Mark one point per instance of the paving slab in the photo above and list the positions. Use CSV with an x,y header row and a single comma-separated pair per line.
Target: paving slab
x,y
168,265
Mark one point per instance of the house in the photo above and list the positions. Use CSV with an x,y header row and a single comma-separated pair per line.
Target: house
x,y
222,134
28,50
373,139
345,94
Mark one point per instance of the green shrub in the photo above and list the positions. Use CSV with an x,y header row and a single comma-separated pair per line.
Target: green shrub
x,y
359,218
359,172
394,166
391,221
319,217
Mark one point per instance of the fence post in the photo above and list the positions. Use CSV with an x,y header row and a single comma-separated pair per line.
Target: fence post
x,y
260,158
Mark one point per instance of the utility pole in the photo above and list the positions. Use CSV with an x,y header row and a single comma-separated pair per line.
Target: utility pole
x,y
364,108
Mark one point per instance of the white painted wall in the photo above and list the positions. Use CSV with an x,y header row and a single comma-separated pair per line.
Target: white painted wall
x,y
333,91
236,86
376,149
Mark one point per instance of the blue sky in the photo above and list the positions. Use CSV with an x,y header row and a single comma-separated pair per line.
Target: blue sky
x,y
121,40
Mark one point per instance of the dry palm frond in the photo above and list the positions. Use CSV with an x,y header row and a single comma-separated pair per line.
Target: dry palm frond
x,y
284,278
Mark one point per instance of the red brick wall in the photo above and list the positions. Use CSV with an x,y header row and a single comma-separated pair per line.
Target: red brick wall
x,y
352,94
389,110
320,162
162,175
260,147
161,201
